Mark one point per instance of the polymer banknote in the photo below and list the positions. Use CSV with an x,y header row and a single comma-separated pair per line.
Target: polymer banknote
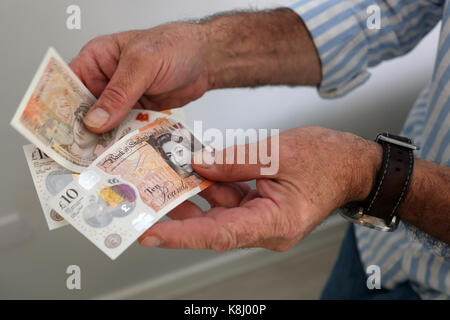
x,y
132,185
51,115
51,112
50,178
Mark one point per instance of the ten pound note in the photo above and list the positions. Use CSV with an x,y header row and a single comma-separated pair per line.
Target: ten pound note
x,y
132,185
50,178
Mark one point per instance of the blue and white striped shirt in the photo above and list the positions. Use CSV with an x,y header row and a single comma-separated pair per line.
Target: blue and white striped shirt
x,y
347,48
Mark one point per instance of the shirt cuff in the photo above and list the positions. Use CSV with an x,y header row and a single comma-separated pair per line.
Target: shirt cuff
x,y
340,42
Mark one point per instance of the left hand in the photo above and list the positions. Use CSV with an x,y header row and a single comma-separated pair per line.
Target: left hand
x,y
319,171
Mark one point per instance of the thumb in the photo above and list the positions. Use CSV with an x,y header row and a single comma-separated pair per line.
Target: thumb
x,y
236,163
127,85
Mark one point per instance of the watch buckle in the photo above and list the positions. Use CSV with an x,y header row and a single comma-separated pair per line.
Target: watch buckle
x,y
397,142
358,217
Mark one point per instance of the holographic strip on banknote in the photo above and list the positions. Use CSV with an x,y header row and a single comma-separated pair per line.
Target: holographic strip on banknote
x,y
132,185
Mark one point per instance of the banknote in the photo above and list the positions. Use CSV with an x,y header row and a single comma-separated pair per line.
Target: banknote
x,y
175,113
51,112
50,178
132,185
138,118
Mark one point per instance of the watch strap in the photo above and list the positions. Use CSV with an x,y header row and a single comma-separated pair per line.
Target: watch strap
x,y
393,179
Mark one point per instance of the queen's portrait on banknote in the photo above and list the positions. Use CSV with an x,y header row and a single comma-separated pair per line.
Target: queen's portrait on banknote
x,y
176,148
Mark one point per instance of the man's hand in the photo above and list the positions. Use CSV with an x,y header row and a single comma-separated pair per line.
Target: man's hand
x,y
174,64
319,171
153,69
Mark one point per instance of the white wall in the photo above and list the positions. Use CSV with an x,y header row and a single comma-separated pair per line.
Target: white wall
x,y
32,259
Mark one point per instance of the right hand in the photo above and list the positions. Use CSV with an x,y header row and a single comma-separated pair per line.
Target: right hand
x,y
157,69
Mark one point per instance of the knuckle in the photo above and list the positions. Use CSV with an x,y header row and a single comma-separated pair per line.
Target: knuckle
x,y
88,45
224,241
94,43
135,51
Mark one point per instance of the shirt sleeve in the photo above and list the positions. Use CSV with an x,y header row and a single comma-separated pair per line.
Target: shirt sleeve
x,y
346,45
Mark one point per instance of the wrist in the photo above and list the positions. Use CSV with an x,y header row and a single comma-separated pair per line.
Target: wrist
x,y
367,159
248,49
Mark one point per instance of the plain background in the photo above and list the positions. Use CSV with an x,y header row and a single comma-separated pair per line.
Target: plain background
x,y
33,260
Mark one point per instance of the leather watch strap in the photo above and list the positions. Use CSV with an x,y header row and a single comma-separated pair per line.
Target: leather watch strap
x,y
393,179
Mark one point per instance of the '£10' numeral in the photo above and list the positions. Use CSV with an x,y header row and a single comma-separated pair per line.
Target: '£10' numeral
x,y
67,198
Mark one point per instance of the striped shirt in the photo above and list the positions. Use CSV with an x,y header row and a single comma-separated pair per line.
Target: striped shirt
x,y
347,48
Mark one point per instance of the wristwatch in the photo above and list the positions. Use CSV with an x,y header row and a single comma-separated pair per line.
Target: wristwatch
x,y
379,211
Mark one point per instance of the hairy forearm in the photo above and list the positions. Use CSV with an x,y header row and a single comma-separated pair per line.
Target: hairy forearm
x,y
249,49
427,203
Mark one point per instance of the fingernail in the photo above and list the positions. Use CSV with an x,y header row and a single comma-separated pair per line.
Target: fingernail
x,y
151,242
96,118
